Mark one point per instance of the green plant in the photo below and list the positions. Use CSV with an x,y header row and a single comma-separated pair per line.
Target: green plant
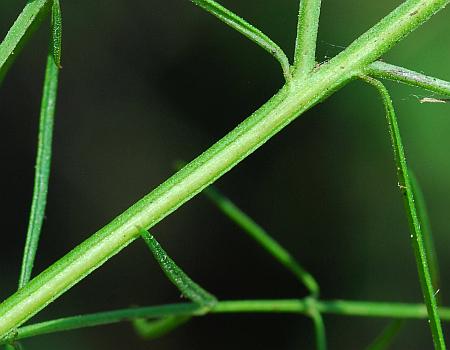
x,y
306,85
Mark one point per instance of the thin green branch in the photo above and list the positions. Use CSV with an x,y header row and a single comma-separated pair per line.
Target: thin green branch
x,y
306,41
277,251
294,306
387,336
44,155
248,30
28,20
388,71
428,240
406,189
263,238
290,102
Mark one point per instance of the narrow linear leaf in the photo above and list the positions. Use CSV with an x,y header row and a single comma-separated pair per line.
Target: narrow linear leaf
x,y
151,329
388,71
246,29
387,336
177,276
42,169
155,329
305,44
417,238
29,19
428,240
56,27
262,237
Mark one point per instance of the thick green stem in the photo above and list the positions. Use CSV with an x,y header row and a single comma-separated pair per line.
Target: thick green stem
x,y
291,101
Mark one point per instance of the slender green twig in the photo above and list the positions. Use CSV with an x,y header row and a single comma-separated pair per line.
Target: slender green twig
x,y
290,102
263,238
44,151
384,70
385,339
307,29
295,306
21,30
405,186
425,225
277,251
248,30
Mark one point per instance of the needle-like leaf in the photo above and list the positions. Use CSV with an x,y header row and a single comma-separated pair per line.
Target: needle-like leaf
x,y
417,238
245,28
151,329
177,276
428,240
44,152
56,27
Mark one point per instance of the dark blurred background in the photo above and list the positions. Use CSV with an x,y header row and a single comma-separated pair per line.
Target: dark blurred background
x,y
145,83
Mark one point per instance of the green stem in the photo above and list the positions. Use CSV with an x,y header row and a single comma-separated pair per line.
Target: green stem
x,y
42,172
425,225
305,44
319,330
28,20
384,70
417,239
290,102
294,306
